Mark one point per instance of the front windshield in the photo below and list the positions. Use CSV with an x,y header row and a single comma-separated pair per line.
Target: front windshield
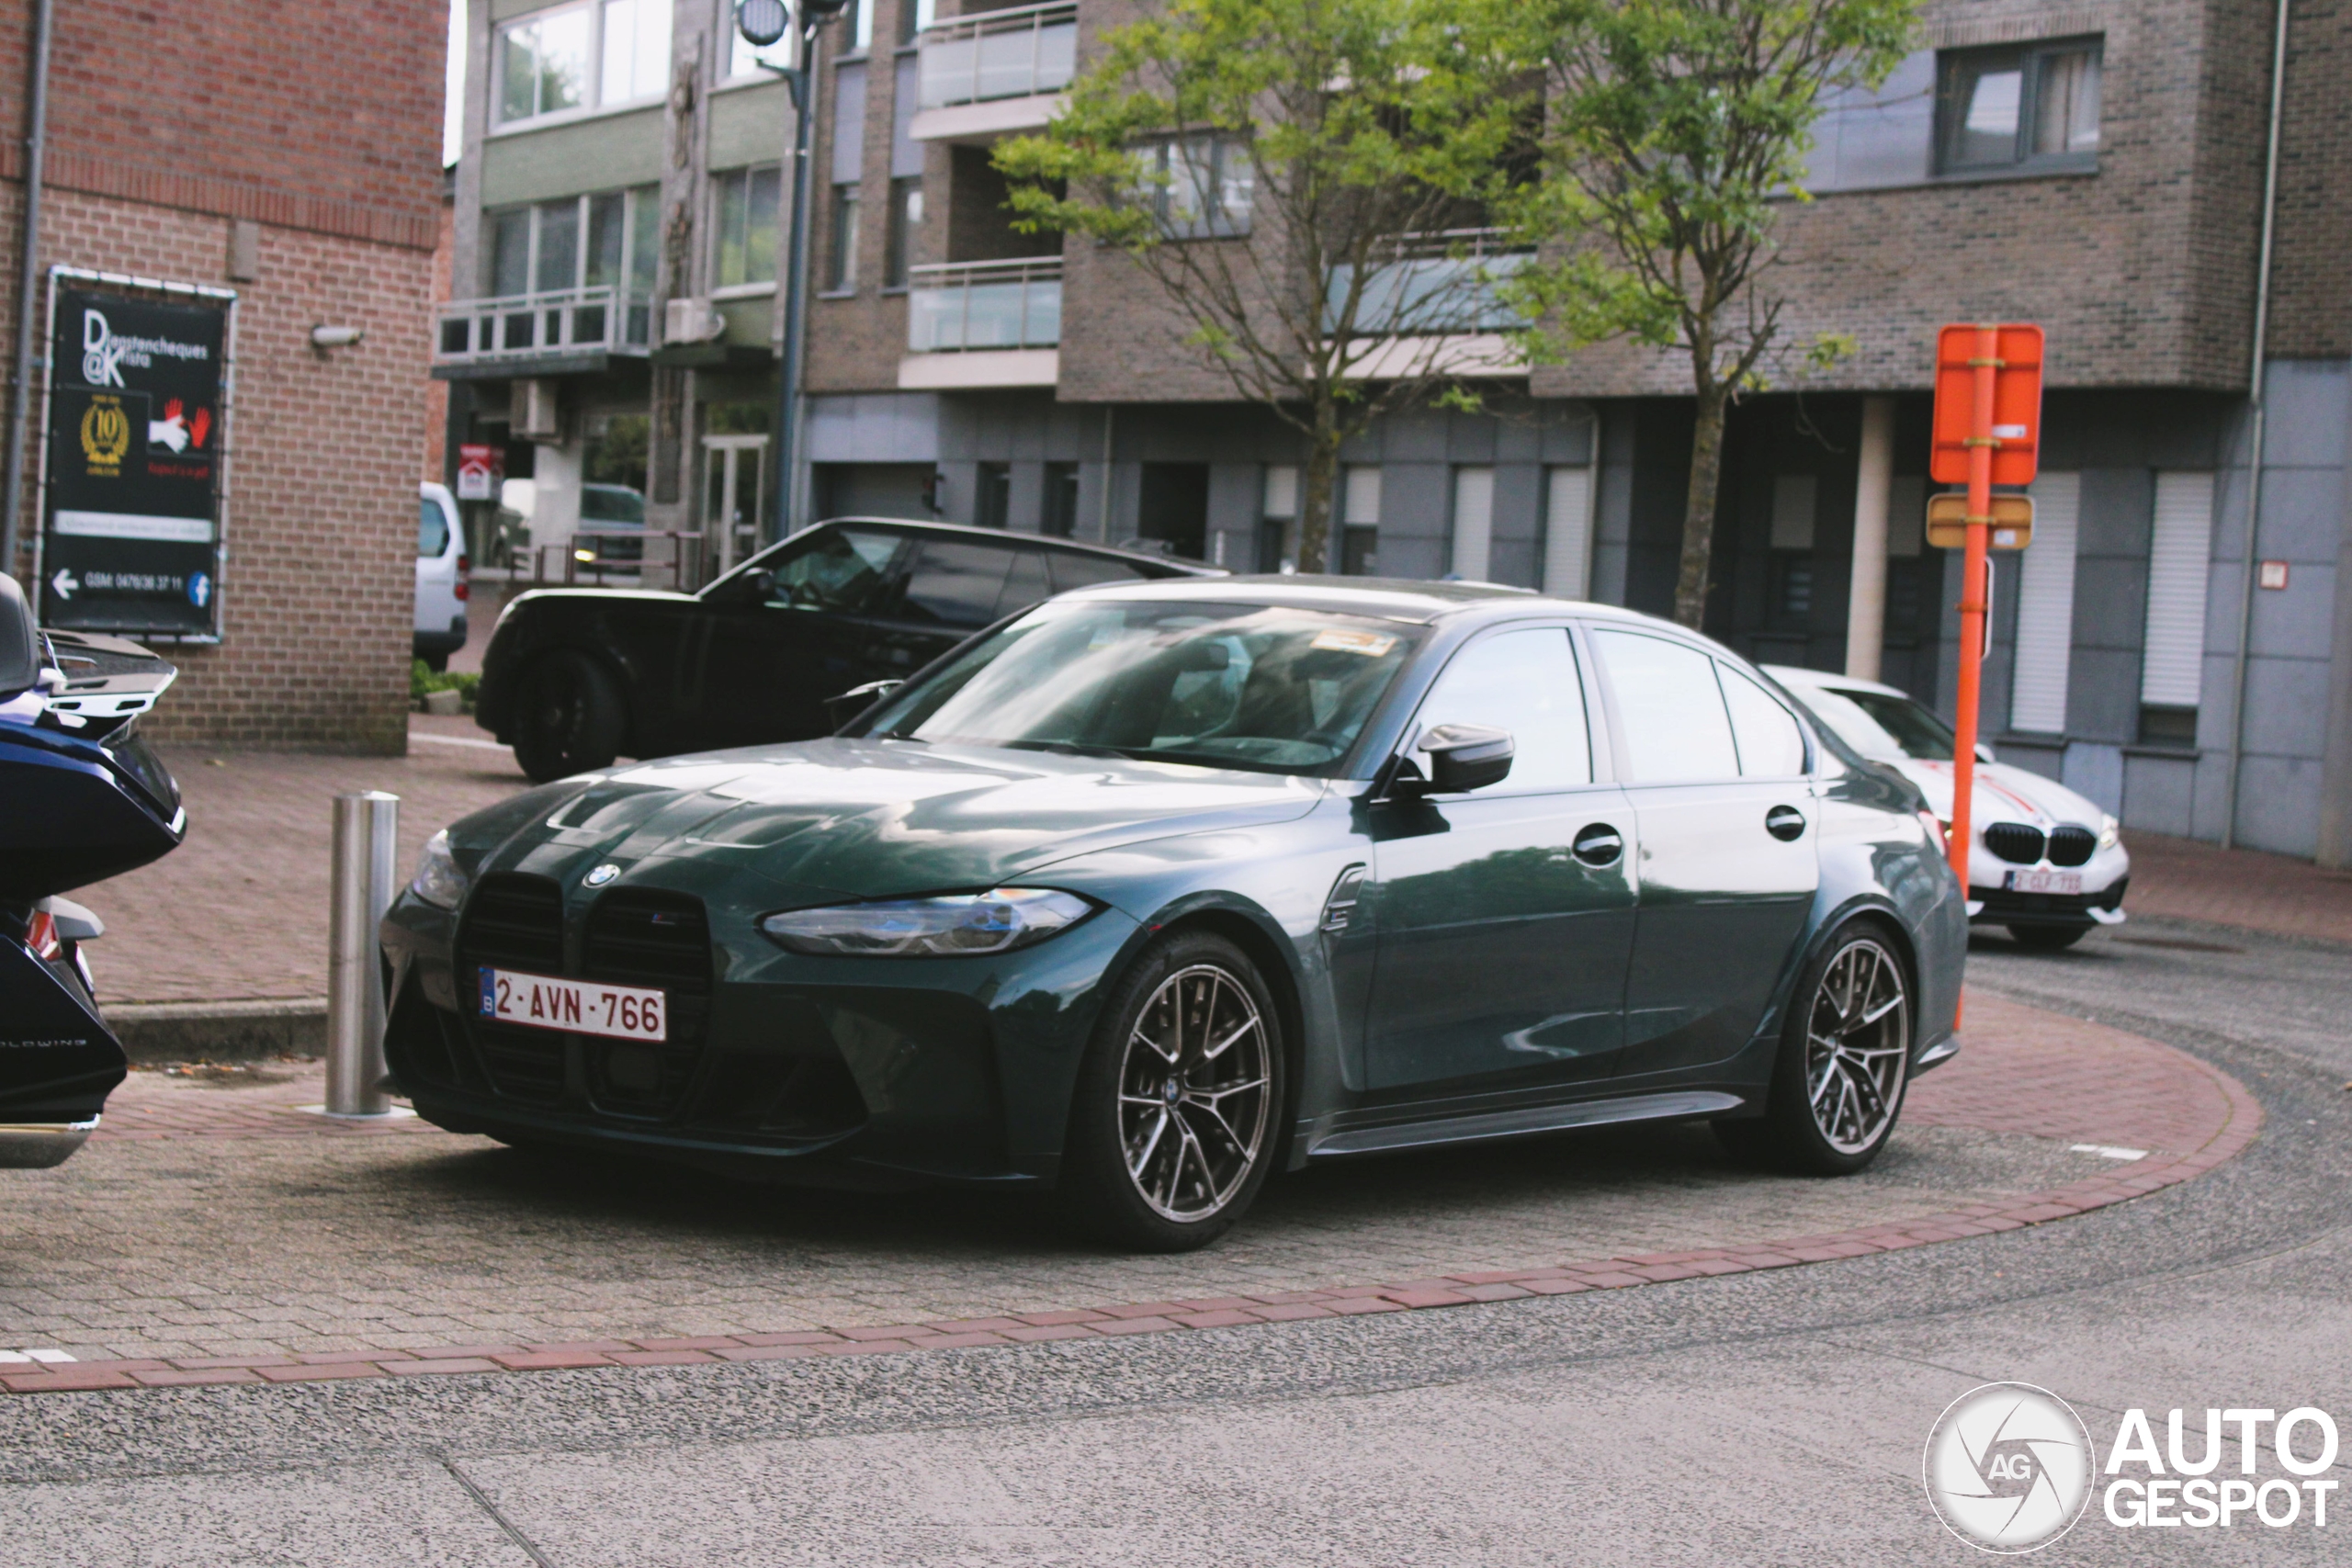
x,y
1263,688
1880,725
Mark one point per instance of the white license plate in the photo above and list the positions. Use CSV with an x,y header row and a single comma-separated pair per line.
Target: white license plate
x,y
2046,880
580,1007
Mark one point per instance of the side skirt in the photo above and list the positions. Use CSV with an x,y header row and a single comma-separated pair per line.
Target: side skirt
x,y
1495,1125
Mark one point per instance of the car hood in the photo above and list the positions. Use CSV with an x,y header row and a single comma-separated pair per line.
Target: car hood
x,y
867,818
2004,794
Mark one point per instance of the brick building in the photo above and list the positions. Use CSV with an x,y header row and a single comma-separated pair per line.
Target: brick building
x,y
288,152
2104,159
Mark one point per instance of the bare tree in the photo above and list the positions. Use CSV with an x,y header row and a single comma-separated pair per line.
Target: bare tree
x,y
1304,182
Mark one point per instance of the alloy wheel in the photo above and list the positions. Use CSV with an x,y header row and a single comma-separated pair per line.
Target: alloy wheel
x,y
1195,1093
1858,1045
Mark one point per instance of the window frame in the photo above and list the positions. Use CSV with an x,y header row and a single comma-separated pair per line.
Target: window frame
x,y
634,199
719,183
844,217
2032,59
591,85
1601,688
1159,184
1597,754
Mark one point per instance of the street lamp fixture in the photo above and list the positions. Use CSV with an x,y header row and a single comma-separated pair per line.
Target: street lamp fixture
x,y
762,23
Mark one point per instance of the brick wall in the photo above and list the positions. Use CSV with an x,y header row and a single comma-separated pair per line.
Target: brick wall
x,y
319,590
321,125
2312,269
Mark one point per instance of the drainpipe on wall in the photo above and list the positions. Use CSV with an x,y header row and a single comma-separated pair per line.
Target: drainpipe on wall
x,y
27,284
2261,364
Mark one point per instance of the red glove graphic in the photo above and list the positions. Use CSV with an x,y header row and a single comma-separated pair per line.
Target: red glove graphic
x,y
199,426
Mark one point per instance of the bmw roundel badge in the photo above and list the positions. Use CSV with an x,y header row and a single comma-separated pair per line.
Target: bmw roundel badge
x,y
601,874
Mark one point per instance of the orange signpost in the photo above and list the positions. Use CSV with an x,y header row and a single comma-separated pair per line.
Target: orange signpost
x,y
1988,432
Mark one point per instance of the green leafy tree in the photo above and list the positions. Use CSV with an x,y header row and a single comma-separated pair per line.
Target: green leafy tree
x,y
1302,180
1677,131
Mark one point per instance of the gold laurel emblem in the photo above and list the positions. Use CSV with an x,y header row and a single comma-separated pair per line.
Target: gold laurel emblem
x,y
106,433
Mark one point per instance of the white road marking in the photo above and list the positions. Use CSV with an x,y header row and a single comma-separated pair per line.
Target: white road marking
x,y
2108,1151
453,740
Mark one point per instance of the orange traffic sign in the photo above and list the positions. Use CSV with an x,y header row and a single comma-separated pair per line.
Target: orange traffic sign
x,y
2011,523
2016,434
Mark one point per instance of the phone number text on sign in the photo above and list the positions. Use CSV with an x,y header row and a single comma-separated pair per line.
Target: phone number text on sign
x,y
579,1006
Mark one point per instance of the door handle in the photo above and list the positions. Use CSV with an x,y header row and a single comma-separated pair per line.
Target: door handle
x,y
1599,844
1785,823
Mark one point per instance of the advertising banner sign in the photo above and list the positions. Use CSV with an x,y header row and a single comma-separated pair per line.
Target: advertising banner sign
x,y
478,466
130,519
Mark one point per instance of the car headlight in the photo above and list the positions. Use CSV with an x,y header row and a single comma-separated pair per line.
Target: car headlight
x,y
2110,832
437,880
959,924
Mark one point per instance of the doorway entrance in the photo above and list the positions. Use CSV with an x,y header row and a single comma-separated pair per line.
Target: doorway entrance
x,y
1175,510
735,470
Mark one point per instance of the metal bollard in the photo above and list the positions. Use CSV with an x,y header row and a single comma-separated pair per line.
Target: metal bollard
x,y
367,875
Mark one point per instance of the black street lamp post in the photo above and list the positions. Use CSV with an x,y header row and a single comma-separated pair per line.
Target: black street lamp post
x,y
762,23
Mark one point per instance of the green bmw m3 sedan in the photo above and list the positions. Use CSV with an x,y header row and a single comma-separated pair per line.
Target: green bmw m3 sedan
x,y
1154,890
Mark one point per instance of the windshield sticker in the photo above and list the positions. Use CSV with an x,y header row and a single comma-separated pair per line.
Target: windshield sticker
x,y
1372,644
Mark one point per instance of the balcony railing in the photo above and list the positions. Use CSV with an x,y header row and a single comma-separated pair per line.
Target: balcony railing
x,y
566,320
964,306
999,54
1442,282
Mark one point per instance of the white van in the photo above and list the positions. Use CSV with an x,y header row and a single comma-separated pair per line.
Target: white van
x,y
441,568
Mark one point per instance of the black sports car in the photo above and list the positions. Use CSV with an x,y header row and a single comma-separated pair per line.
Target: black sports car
x,y
574,677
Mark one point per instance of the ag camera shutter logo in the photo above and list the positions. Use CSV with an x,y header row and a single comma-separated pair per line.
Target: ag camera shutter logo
x,y
2008,1467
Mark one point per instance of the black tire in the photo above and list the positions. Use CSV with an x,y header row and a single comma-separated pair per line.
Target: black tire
x,y
2048,939
1861,1077
1119,1182
567,718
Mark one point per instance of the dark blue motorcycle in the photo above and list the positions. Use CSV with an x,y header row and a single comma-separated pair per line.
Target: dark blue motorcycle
x,y
83,798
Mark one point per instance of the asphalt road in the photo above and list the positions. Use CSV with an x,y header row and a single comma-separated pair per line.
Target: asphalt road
x,y
1774,1417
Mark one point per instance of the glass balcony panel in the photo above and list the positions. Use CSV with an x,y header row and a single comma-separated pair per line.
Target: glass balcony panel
x,y
1008,63
947,71
588,323
1044,325
521,331
934,318
1056,56
993,316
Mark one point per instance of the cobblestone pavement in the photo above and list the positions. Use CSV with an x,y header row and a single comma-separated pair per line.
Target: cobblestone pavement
x,y
240,909
2183,879
208,1223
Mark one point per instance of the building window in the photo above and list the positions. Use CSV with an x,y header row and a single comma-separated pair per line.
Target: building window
x,y
2027,108
1276,517
906,224
1474,523
913,17
1201,185
745,58
605,240
1567,530
992,500
581,56
746,203
857,26
1058,516
1359,530
1793,588
840,261
2172,660
2045,637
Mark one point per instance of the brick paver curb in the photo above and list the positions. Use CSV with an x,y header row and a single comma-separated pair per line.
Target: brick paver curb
x,y
2231,1123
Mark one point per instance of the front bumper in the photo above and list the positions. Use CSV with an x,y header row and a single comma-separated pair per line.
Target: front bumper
x,y
866,1072
2000,907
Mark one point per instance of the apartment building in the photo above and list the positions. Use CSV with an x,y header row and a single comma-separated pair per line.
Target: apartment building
x,y
2096,167
285,155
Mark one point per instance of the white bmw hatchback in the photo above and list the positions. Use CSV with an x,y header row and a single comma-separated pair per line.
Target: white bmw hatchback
x,y
2042,861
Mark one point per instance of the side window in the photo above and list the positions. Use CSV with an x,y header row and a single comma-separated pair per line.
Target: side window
x,y
1072,570
956,584
432,529
1525,681
1771,744
1675,729
844,570
1026,584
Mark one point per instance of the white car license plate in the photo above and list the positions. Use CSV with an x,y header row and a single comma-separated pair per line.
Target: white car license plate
x,y
581,1007
2046,881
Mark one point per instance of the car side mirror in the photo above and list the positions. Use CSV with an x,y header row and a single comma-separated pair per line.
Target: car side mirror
x,y
20,642
846,705
758,586
1464,757
1985,754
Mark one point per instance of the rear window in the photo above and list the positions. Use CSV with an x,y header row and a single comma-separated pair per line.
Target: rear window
x,y
956,584
432,529
1072,570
